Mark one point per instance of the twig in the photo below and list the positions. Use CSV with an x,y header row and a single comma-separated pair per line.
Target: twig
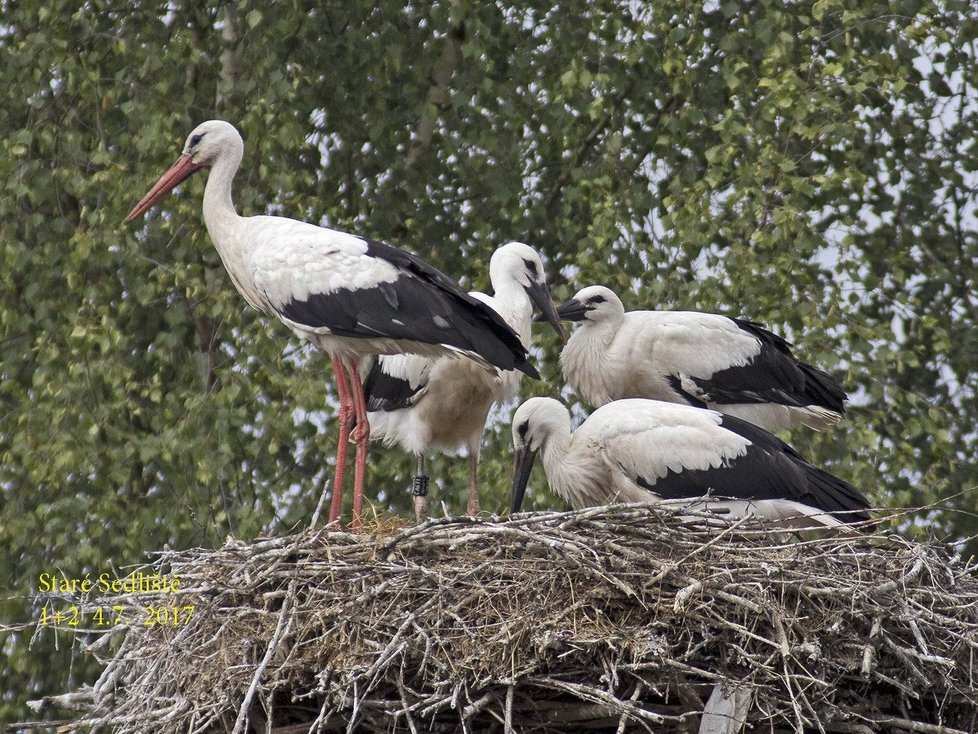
x,y
284,623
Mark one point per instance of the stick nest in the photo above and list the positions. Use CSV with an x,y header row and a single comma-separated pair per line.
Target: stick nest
x,y
611,619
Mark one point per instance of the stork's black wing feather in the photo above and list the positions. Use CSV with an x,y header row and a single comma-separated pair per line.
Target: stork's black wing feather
x,y
421,304
769,470
774,375
387,392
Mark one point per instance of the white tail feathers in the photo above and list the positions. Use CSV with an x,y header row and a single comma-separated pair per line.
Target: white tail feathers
x,y
783,513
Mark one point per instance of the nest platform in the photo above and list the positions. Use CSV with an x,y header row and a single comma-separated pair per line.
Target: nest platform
x,y
613,619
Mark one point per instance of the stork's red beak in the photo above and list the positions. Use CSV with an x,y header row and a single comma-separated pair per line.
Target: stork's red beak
x,y
178,172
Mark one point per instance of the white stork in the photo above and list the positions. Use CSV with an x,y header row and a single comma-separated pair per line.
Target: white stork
x,y
649,451
700,359
348,295
421,403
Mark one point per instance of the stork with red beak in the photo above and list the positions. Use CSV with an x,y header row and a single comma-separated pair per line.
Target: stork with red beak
x,y
348,295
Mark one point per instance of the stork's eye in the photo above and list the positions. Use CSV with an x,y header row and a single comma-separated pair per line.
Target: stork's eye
x,y
522,429
595,299
531,267
196,139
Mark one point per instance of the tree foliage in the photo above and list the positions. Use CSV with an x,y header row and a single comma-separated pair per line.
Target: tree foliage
x,y
808,165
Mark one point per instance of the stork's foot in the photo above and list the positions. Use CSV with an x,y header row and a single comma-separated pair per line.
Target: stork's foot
x,y
360,433
419,488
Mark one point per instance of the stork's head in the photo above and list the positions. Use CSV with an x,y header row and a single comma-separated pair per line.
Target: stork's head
x,y
517,263
211,139
206,144
535,423
594,303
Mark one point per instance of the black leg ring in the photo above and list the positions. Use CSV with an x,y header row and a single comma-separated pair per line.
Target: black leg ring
x,y
419,487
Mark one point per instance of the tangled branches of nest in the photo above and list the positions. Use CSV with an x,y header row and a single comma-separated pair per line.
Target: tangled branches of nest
x,y
609,619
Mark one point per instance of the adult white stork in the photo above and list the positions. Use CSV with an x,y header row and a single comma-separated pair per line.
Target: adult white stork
x,y
348,295
649,451
702,359
420,403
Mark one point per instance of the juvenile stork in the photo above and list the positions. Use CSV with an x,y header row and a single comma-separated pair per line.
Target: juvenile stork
x,y
420,403
650,451
348,295
700,359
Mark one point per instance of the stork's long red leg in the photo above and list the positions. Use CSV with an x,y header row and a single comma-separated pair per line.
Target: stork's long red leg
x,y
361,439
345,419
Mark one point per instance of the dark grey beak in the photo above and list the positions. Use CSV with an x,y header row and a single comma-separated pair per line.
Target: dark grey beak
x,y
522,466
540,295
572,310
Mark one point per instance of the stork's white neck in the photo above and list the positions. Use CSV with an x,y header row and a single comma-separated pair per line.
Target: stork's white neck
x,y
584,360
510,300
219,213
601,331
226,228
572,474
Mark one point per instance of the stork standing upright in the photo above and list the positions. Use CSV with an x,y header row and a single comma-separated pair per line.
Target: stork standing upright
x,y
348,295
650,451
702,359
421,403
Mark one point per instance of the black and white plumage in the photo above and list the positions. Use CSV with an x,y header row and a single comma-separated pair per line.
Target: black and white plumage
x,y
350,296
420,403
640,450
702,359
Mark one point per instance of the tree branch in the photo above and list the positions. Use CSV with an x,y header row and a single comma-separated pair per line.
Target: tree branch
x,y
451,57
